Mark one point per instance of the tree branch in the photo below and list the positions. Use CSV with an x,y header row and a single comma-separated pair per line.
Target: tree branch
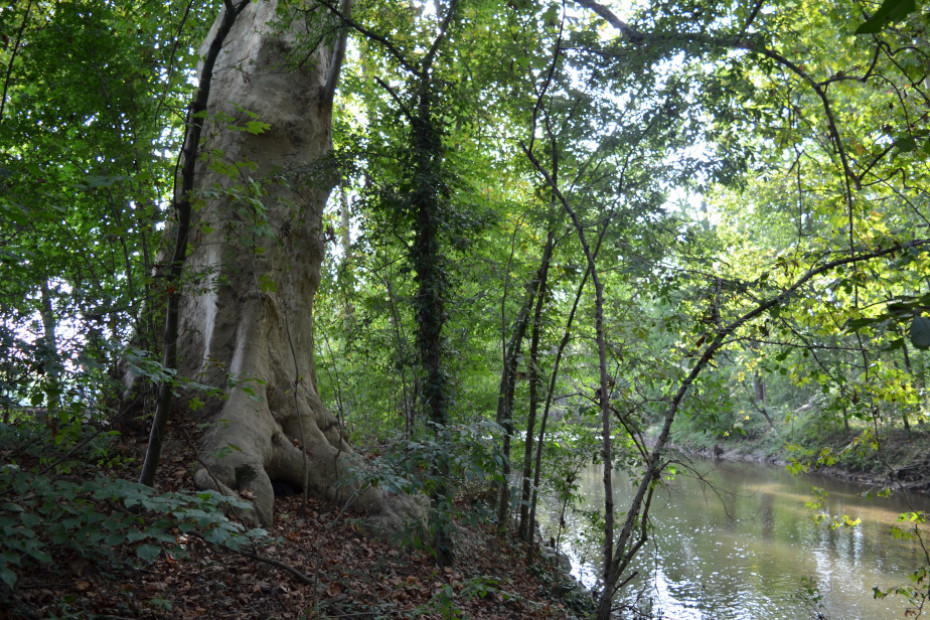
x,y
632,34
749,43
371,34
9,68
752,16
427,61
276,563
329,89
395,97
653,467
549,75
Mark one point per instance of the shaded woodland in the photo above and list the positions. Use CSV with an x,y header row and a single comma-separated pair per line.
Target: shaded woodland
x,y
395,272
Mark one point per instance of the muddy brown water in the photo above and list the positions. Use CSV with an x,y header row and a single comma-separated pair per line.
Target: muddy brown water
x,y
746,544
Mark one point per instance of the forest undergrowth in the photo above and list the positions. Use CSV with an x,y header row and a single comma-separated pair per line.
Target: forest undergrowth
x,y
317,562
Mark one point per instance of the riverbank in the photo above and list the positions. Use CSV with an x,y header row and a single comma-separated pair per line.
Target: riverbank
x,y
896,461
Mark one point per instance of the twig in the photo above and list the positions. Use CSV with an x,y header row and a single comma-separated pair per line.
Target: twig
x,y
276,563
171,58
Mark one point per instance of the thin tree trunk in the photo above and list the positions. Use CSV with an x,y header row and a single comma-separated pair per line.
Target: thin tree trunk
x,y
51,361
408,406
758,384
604,393
526,526
427,257
508,385
345,242
566,338
907,367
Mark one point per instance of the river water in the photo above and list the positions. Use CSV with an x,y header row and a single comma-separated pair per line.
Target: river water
x,y
744,545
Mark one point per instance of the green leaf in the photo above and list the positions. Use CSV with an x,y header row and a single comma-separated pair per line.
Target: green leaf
x,y
8,576
34,549
30,520
905,144
851,325
8,557
267,284
148,553
889,12
920,332
162,603
257,127
136,536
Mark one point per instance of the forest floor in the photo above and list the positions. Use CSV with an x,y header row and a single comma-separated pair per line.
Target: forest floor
x,y
336,571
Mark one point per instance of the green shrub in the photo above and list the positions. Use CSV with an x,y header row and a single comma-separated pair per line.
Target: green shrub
x,y
111,522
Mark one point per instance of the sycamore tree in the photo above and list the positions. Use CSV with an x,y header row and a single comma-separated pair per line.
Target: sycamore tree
x,y
257,171
95,99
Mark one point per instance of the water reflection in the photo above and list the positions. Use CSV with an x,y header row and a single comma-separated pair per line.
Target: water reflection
x,y
737,546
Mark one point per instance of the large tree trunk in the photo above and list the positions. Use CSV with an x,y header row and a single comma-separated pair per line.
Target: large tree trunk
x,y
256,250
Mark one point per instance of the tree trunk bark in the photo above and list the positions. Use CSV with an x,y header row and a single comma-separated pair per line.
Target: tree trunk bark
x,y
246,315
505,398
758,388
526,528
907,367
51,361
